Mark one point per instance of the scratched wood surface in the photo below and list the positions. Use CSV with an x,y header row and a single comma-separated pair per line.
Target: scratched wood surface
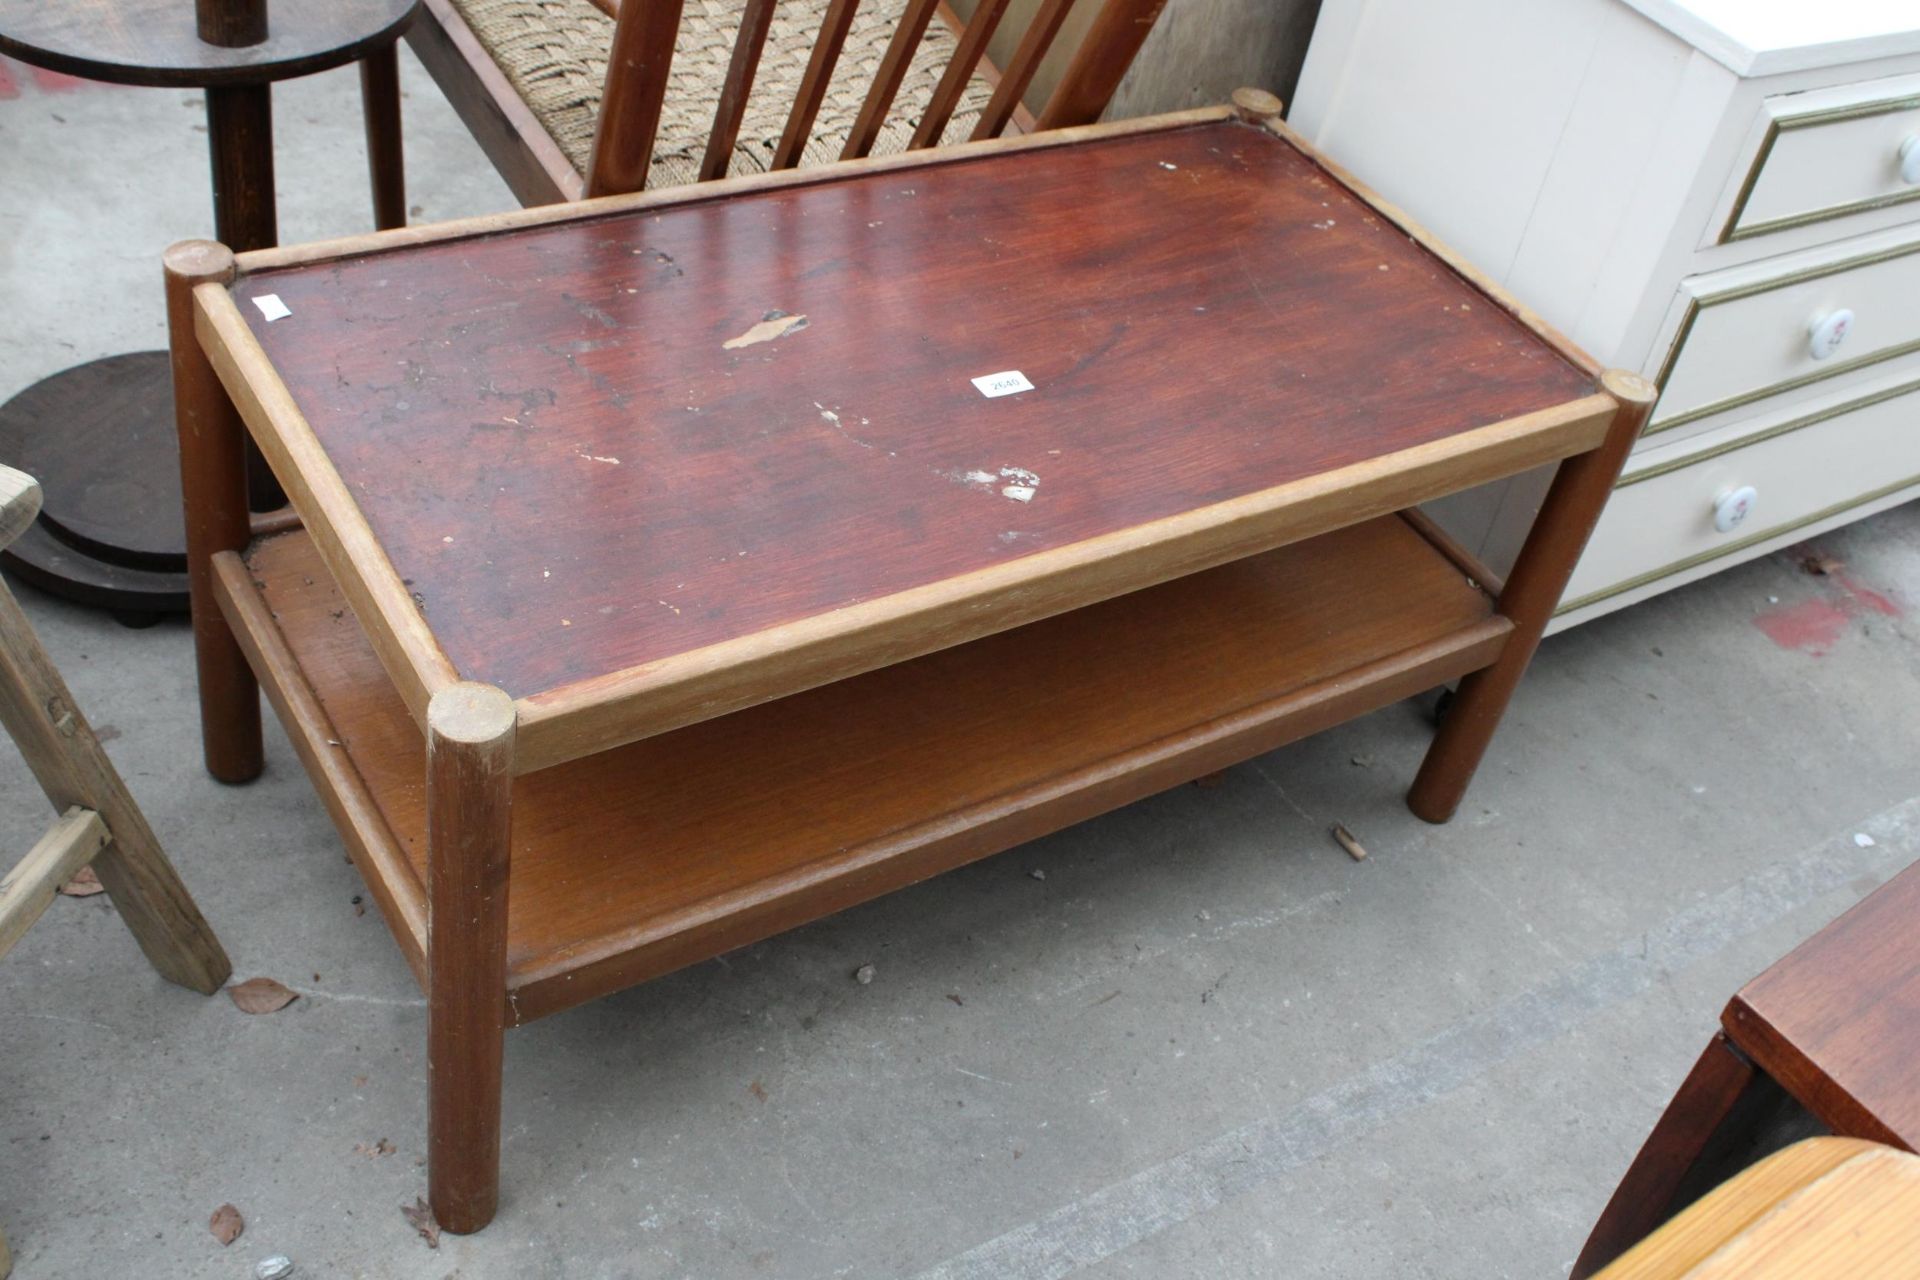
x,y
1837,1021
594,445
638,860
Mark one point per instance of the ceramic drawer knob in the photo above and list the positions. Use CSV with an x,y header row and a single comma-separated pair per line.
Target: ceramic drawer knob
x,y
1828,331
1731,509
1910,160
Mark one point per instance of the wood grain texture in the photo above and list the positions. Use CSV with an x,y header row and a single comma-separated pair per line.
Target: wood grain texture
x,y
380,596
19,503
469,828
1823,1209
29,888
474,420
59,746
1837,1020
1572,506
491,224
638,63
213,488
386,154
157,42
399,891
1645,1197
640,860
1099,61
527,158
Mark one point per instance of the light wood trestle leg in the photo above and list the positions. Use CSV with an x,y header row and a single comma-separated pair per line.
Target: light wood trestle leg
x,y
470,735
213,484
1532,592
100,825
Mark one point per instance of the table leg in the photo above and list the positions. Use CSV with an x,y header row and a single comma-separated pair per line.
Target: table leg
x,y
245,217
470,731
380,101
1532,592
1647,1191
213,490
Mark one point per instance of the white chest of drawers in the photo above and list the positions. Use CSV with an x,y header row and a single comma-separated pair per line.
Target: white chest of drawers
x,y
1721,194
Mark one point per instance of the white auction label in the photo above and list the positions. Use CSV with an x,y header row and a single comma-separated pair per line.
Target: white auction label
x,y
1012,382
271,307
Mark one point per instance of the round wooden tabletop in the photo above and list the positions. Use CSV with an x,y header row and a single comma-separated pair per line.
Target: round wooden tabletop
x,y
156,42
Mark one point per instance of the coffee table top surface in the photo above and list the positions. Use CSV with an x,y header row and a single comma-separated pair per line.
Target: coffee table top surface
x,y
604,444
157,42
1837,1019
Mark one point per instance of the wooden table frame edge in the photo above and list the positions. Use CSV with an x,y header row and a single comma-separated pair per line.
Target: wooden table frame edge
x,y
565,723
225,385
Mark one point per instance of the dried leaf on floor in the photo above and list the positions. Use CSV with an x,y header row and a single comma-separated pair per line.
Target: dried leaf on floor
x,y
371,1150
261,995
83,884
1820,564
419,1216
226,1224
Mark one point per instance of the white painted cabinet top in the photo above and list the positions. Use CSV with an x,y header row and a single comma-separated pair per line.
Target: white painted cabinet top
x,y
1766,37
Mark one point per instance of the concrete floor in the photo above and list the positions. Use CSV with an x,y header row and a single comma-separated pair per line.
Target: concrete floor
x,y
1207,1043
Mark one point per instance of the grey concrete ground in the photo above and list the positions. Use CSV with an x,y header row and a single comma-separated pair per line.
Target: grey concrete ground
x,y
1206,1044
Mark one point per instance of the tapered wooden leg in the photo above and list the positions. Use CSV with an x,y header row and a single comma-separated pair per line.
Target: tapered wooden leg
x,y
470,730
1647,1195
213,485
1532,592
380,101
245,214
59,746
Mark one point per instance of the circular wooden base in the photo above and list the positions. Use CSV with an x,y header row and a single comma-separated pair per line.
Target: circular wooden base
x,y
99,437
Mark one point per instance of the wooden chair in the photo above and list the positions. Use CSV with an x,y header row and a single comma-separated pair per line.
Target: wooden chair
x,y
99,823
568,101
1824,1209
1826,1038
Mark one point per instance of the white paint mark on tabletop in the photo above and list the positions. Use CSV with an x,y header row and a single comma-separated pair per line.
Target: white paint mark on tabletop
x,y
598,457
271,307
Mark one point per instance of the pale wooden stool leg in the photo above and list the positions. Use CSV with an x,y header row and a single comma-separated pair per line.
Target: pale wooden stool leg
x,y
59,746
470,731
380,102
213,483
1532,592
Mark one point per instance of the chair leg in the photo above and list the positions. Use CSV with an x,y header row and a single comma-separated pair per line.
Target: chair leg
x,y
213,483
59,746
470,730
380,101
1649,1192
1532,592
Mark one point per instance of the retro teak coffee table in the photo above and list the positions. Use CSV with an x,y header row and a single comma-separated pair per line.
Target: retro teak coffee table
x,y
677,568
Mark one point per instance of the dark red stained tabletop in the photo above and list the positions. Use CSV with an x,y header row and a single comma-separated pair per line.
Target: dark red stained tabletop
x,y
576,473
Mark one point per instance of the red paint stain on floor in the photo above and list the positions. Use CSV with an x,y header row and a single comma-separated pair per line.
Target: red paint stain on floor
x,y
1868,598
1811,627
9,86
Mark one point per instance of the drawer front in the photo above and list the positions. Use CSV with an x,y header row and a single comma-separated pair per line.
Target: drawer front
x,y
1662,518
1746,336
1829,154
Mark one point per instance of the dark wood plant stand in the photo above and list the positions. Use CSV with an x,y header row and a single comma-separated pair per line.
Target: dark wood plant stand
x,y
671,541
99,436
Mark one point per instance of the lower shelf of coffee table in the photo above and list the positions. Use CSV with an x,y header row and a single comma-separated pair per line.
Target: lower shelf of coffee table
x,y
674,849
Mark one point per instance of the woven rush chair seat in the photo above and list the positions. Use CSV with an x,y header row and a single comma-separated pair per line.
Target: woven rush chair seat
x,y
554,53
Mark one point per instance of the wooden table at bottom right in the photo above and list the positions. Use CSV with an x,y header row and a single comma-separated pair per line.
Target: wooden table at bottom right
x,y
1827,1037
